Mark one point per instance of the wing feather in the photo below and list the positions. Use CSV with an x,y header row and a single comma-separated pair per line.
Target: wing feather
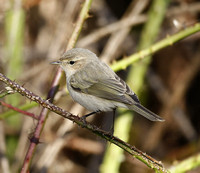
x,y
103,84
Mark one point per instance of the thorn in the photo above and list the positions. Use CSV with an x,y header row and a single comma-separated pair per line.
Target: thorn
x,y
34,140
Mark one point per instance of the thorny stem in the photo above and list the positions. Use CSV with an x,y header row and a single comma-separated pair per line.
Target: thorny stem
x,y
19,110
168,41
44,113
148,160
82,17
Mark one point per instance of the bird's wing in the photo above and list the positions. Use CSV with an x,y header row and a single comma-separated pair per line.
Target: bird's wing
x,y
107,85
104,84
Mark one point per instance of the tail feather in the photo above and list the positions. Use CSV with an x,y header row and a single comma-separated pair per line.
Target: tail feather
x,y
145,112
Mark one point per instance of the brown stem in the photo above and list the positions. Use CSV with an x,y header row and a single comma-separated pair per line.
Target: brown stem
x,y
44,113
19,110
148,160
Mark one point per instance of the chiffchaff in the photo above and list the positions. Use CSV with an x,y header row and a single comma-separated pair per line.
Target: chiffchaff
x,y
95,86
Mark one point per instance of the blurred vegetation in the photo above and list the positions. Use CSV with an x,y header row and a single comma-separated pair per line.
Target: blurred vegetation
x,y
34,33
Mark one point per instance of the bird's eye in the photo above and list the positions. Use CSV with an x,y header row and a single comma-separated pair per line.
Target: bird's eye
x,y
71,62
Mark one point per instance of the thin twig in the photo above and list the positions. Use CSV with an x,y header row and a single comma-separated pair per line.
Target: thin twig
x,y
24,107
114,43
108,29
127,22
148,160
82,17
191,162
170,40
19,110
52,149
43,115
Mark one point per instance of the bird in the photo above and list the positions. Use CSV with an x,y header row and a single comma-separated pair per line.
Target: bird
x,y
95,86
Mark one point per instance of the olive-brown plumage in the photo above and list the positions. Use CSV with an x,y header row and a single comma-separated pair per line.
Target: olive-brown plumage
x,y
95,86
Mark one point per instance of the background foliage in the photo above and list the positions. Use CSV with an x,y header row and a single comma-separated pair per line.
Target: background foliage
x,y
34,33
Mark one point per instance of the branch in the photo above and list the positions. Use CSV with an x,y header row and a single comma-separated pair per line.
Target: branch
x,y
24,107
19,110
44,113
187,164
148,160
82,17
170,40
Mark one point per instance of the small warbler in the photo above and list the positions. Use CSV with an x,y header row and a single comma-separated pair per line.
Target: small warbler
x,y
95,86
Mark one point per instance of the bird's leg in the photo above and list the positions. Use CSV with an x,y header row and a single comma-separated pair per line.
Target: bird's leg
x,y
113,122
87,115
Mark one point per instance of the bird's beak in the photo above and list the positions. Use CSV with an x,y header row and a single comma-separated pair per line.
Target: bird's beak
x,y
55,62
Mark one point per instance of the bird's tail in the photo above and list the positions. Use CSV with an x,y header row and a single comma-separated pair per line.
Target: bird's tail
x,y
145,112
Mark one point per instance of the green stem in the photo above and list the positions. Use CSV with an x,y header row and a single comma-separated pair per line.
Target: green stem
x,y
114,155
168,41
186,165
